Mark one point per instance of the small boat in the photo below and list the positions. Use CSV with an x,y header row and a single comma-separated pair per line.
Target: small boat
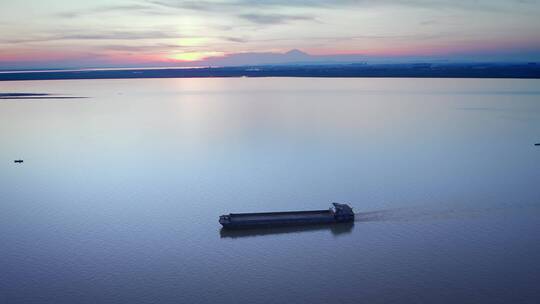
x,y
18,161
339,213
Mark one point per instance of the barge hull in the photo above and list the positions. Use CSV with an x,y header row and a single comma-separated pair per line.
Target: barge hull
x,y
340,213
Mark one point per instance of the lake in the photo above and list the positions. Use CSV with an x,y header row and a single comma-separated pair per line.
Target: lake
x,y
119,195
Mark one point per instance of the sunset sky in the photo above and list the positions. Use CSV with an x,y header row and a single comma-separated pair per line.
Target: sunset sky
x,y
115,33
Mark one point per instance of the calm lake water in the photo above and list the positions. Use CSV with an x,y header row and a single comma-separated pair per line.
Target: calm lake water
x,y
118,198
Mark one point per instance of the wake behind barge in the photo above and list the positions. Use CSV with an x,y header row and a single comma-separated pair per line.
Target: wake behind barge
x,y
339,213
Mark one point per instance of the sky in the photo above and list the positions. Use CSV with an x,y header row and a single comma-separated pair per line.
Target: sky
x,y
133,33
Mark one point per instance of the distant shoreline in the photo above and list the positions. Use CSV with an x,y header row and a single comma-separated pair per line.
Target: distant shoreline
x,y
518,71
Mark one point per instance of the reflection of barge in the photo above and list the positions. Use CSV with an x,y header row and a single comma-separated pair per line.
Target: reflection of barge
x,y
335,230
340,213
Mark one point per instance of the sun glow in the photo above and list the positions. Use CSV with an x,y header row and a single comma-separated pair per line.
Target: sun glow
x,y
194,56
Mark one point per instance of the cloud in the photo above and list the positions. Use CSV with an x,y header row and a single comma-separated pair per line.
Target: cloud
x,y
105,9
166,46
235,5
195,5
205,5
234,39
428,22
119,35
221,6
141,48
273,18
112,35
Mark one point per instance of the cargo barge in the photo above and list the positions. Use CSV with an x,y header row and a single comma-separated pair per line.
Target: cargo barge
x,y
339,213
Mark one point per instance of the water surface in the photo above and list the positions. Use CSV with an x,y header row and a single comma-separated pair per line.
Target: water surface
x,y
118,198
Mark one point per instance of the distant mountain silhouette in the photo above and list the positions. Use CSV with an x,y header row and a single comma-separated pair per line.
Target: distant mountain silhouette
x,y
296,53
